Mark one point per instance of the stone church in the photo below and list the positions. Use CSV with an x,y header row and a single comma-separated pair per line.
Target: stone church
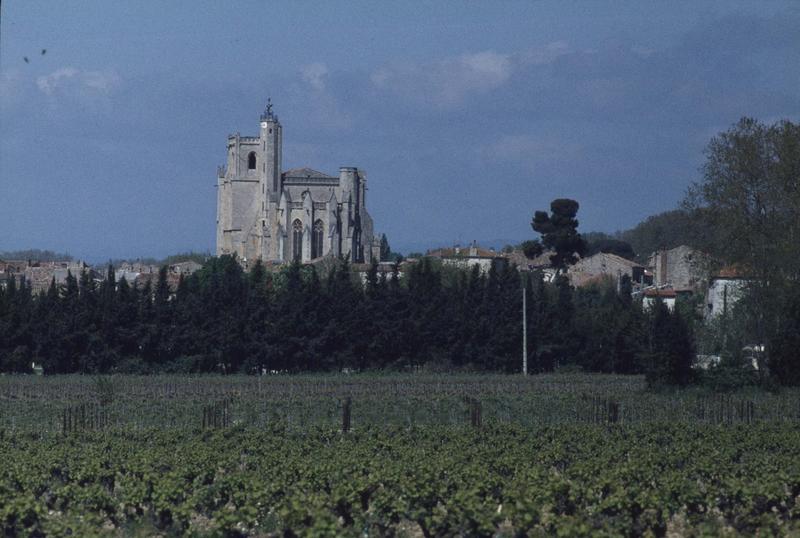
x,y
298,214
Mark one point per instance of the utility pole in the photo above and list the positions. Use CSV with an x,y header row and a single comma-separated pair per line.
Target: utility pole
x,y
524,330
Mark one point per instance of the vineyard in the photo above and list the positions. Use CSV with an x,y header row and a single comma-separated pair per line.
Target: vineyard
x,y
392,455
423,481
48,405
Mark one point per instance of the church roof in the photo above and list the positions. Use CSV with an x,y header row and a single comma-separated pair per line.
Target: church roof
x,y
307,173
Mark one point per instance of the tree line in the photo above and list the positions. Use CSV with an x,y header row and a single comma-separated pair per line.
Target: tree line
x,y
222,319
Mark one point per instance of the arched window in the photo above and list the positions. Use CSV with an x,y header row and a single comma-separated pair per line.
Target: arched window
x,y
297,240
316,239
251,161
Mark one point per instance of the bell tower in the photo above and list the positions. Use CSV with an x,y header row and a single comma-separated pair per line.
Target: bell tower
x,y
272,146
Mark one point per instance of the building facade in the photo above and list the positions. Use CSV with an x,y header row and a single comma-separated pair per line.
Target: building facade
x,y
682,267
467,257
299,214
605,265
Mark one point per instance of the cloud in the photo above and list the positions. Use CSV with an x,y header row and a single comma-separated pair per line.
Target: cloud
x,y
446,82
315,74
545,55
450,81
70,79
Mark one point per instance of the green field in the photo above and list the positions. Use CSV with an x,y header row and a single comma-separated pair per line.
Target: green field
x,y
548,455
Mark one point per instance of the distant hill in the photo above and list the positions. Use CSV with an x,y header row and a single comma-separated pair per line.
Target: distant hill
x,y
35,254
667,230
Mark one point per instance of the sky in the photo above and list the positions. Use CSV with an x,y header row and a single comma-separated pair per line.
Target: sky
x,y
466,116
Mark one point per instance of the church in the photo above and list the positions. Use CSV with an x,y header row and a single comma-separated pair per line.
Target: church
x,y
298,214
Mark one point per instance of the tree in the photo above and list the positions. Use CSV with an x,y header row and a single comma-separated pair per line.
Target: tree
x,y
750,198
531,249
610,246
667,230
386,251
559,232
671,347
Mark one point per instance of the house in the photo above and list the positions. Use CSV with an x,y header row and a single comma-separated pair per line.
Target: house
x,y
539,263
667,295
605,265
682,267
725,288
138,267
40,274
185,268
11,270
385,270
130,271
467,257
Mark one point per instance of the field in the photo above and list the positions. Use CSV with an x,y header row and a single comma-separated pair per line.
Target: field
x,y
423,455
39,404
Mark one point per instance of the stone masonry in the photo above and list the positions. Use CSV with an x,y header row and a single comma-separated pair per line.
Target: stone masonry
x,y
299,214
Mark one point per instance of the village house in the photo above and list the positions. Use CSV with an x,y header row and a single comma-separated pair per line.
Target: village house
x,y
668,296
185,268
385,270
467,257
681,268
604,265
725,288
11,270
40,274
139,274
539,263
130,271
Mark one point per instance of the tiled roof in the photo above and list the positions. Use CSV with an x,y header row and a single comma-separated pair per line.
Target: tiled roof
x,y
730,271
667,293
615,258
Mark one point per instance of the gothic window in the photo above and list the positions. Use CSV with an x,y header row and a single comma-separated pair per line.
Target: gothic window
x,y
297,240
316,239
251,161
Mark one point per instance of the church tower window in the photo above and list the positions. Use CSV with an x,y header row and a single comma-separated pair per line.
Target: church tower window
x,y
316,239
297,240
251,161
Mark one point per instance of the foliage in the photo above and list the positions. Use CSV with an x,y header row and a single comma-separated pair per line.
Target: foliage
x,y
221,319
657,480
35,254
750,196
595,245
670,353
667,230
531,249
559,232
386,251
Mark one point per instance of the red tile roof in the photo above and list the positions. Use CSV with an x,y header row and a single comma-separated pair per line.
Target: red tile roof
x,y
666,293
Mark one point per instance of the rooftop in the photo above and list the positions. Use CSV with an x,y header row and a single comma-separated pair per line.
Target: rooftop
x,y
306,173
472,251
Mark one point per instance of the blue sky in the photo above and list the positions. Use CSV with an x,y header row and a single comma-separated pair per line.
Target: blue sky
x,y
467,116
